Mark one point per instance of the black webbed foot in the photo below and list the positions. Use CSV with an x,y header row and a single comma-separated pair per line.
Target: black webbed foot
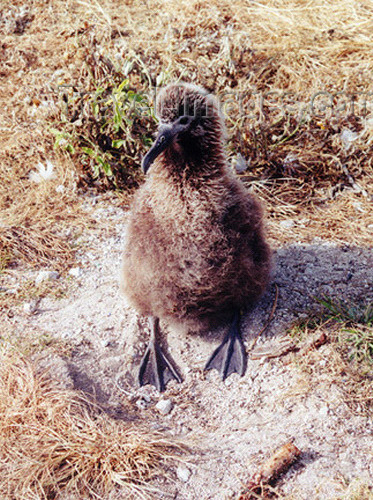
x,y
155,368
230,357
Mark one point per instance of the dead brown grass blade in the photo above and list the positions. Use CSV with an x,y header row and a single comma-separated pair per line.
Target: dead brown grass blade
x,y
38,217
34,246
53,441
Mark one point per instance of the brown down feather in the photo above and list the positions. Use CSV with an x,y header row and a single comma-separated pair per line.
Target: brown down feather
x,y
195,249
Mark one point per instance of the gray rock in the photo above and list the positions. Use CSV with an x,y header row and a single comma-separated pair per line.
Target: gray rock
x,y
287,224
46,276
141,404
31,307
183,473
164,406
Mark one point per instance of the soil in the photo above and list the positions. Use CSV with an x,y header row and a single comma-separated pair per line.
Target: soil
x,y
231,426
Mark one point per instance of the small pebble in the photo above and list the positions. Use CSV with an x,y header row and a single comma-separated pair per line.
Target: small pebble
x,y
146,398
156,426
183,473
287,224
164,406
75,272
324,410
46,276
141,404
31,307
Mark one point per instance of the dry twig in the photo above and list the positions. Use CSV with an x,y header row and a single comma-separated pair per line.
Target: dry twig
x,y
270,470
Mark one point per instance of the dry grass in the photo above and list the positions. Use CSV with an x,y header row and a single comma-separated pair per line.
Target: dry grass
x,y
300,158
244,51
356,490
54,443
346,360
328,368
26,290
349,490
35,216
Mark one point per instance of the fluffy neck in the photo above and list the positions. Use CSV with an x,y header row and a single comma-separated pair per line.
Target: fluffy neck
x,y
192,159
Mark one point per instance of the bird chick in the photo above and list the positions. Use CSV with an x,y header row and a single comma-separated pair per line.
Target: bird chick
x,y
195,251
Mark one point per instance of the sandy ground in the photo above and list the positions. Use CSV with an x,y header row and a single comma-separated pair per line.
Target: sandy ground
x,y
232,426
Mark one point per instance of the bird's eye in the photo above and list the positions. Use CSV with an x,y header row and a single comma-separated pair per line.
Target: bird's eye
x,y
161,139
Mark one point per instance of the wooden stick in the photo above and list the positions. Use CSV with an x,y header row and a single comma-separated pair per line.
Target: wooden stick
x,y
279,462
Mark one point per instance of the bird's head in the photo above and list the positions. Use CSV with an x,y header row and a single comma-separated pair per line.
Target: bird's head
x,y
190,124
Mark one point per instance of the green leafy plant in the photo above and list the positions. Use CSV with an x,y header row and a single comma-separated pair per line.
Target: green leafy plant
x,y
356,332
359,342
349,313
345,355
107,128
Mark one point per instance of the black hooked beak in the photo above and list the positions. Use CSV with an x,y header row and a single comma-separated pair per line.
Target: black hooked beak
x,y
165,136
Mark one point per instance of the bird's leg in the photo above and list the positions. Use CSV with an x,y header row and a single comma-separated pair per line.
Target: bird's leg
x,y
155,368
230,357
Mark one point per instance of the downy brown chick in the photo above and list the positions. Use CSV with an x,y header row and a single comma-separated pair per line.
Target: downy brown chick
x,y
195,250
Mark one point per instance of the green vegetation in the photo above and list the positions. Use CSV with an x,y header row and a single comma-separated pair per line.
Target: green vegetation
x,y
355,334
349,313
107,128
345,359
